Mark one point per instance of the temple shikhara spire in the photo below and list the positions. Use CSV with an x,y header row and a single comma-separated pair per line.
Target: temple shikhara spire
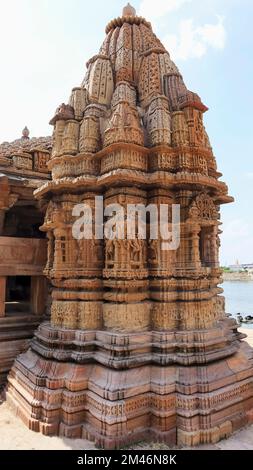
x,y
138,345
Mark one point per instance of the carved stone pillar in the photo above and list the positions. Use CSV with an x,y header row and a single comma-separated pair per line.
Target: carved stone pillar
x,y
38,294
195,247
214,247
7,199
2,295
50,252
2,217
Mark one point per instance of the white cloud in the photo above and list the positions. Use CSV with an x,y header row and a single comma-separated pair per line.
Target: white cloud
x,y
153,10
193,42
249,175
213,34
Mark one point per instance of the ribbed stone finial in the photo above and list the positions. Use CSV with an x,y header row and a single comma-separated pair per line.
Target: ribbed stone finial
x,y
25,133
128,10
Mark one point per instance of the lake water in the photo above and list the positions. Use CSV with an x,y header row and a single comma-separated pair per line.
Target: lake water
x,y
239,298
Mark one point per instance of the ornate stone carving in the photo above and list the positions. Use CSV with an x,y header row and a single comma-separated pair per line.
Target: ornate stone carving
x,y
137,342
203,207
90,135
78,101
100,80
83,164
131,317
64,112
158,122
116,158
124,125
178,95
23,161
41,159
57,138
180,131
77,315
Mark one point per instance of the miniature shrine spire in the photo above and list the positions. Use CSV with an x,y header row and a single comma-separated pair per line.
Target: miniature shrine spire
x,y
128,10
25,133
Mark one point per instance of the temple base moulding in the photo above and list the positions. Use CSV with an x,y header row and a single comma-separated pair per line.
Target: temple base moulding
x,y
177,405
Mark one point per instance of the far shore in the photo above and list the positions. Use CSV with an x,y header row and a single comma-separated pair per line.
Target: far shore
x,y
227,276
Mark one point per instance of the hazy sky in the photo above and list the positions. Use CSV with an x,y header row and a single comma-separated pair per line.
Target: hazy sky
x,y
46,43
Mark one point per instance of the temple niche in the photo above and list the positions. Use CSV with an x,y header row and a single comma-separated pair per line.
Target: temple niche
x,y
138,345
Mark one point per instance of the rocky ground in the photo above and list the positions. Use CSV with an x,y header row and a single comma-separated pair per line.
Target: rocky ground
x,y
15,436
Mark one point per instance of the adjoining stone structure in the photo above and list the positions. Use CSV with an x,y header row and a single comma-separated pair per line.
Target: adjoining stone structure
x,y
23,288
138,345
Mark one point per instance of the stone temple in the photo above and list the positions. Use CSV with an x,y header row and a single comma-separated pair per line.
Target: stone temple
x,y
138,345
23,248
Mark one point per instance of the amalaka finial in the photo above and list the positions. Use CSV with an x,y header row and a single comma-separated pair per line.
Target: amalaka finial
x,y
129,10
25,133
